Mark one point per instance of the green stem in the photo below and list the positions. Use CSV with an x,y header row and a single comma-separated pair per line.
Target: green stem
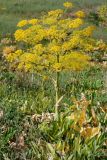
x,y
57,93
57,89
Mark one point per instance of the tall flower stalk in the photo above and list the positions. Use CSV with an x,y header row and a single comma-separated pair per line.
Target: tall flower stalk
x,y
54,43
57,89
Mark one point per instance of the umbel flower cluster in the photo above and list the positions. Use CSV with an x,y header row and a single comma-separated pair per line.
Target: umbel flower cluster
x,y
55,42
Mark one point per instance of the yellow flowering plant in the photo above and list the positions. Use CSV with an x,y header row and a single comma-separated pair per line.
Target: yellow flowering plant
x,y
102,13
68,4
53,43
80,14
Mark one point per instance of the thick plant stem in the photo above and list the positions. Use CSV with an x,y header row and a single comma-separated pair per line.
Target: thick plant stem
x,y
57,90
57,94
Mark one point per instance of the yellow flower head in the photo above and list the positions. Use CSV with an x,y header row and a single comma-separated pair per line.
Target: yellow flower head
x,y
50,21
38,49
22,23
80,14
14,56
28,58
76,23
10,57
55,13
33,21
89,30
66,46
74,41
67,4
51,32
18,52
55,49
19,35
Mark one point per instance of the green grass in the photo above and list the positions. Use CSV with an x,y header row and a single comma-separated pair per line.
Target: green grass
x,y
19,102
